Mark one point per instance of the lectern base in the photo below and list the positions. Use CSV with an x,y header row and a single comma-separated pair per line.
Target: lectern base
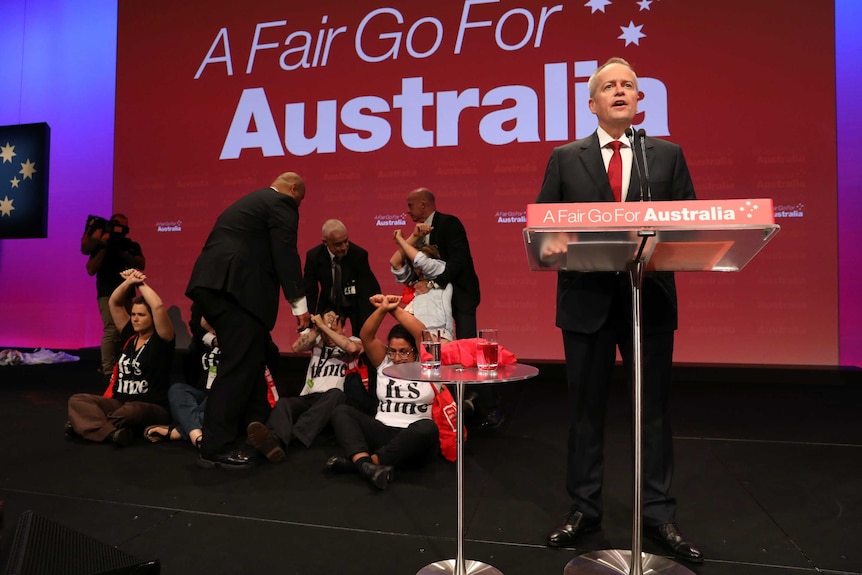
x,y
618,562
448,567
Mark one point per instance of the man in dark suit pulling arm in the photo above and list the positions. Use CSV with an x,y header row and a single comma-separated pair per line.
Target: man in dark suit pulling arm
x,y
250,253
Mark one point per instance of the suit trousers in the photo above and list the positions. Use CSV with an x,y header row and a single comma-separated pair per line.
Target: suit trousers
x,y
590,360
238,393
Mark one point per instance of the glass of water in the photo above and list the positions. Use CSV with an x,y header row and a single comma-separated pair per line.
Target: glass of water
x,y
431,345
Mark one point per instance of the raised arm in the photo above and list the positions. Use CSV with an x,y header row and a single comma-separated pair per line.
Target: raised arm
x,y
161,321
409,321
374,348
324,326
120,297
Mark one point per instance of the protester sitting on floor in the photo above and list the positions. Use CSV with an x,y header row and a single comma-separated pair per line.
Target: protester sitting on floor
x,y
401,433
333,354
138,393
188,400
418,268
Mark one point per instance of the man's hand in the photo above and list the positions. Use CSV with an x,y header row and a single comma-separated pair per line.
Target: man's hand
x,y
303,321
421,230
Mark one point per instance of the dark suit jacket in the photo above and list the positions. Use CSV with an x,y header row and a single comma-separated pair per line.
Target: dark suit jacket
x,y
251,251
356,275
576,173
450,237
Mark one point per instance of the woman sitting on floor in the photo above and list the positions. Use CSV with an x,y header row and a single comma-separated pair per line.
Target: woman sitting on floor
x,y
138,394
401,433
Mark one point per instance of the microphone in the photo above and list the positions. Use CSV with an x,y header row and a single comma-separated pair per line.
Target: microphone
x,y
642,138
630,135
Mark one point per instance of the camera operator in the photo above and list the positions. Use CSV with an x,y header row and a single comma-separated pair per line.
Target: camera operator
x,y
111,251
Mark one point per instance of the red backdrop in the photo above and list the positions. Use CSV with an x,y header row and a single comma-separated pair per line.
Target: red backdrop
x,y
368,101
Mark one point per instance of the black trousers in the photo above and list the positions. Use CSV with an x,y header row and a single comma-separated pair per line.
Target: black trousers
x,y
590,360
304,416
238,394
358,432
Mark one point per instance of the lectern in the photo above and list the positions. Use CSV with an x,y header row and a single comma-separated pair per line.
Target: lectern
x,y
636,237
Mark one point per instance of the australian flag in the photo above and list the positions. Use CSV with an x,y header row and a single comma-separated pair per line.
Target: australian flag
x,y
24,181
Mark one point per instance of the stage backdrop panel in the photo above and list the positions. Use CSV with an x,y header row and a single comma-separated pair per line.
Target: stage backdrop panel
x,y
369,100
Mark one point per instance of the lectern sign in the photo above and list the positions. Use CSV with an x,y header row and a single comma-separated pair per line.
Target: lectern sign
x,y
698,213
695,235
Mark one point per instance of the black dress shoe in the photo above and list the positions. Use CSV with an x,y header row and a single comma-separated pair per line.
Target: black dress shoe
x,y
121,437
234,459
261,438
340,464
573,526
669,537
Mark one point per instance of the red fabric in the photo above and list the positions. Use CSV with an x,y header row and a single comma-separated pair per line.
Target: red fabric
x,y
110,391
271,390
444,412
407,294
615,170
463,352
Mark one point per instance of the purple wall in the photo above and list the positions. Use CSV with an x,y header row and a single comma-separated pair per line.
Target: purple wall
x,y
848,54
58,67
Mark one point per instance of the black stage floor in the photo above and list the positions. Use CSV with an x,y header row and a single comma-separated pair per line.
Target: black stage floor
x,y
768,480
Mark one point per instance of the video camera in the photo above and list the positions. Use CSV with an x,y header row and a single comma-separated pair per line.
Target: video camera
x,y
116,233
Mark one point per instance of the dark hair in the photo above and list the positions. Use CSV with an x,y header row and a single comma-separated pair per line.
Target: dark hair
x,y
400,332
141,301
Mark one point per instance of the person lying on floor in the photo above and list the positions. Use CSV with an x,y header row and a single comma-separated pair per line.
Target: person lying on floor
x,y
401,433
188,401
138,393
333,354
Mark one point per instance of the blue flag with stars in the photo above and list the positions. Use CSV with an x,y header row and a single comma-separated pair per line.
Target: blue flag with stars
x,y
24,181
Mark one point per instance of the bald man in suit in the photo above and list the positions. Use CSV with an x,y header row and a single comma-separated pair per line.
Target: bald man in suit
x,y
250,253
595,315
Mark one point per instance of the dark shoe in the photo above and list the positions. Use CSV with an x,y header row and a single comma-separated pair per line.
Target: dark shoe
x,y
470,404
261,438
234,459
573,526
669,537
378,475
122,437
492,420
69,431
340,464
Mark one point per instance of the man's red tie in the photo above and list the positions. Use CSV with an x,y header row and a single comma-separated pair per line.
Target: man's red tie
x,y
615,170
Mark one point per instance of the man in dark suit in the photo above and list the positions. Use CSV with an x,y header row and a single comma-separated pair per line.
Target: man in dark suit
x,y
450,237
337,258
250,253
594,313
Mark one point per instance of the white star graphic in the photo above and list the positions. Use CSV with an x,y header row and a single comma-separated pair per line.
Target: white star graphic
x,y
15,181
596,5
28,168
7,153
631,33
644,4
6,207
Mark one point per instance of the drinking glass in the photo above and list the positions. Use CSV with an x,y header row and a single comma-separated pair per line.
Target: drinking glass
x,y
431,344
487,350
